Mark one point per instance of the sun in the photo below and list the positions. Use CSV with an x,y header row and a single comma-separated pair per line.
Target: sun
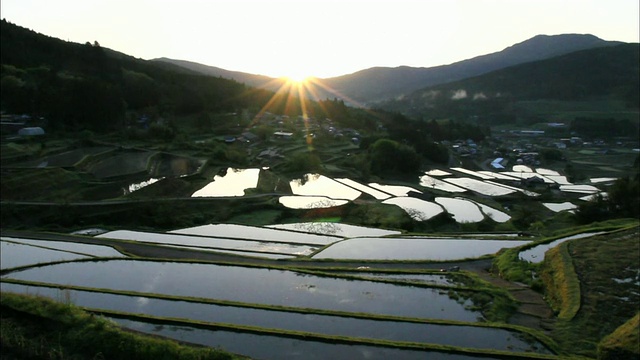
x,y
299,78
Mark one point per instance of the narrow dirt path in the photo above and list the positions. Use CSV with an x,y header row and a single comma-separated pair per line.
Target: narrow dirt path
x,y
533,312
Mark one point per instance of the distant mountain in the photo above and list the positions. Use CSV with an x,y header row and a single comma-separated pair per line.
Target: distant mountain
x,y
253,80
380,83
376,84
611,73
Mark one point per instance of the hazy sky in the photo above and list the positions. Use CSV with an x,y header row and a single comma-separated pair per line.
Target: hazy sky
x,y
319,37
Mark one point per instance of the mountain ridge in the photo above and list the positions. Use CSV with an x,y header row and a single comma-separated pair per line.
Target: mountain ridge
x,y
372,85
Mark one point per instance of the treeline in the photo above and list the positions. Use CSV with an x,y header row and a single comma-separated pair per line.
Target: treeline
x,y
426,137
623,200
599,127
87,87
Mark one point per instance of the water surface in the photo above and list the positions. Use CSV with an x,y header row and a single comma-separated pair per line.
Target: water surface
x,y
233,183
210,242
453,335
365,189
463,211
320,185
271,233
557,207
310,202
433,183
414,248
14,255
83,249
418,209
536,254
253,285
335,229
480,187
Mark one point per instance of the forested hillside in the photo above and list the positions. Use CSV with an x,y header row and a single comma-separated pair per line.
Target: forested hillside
x,y
608,73
84,86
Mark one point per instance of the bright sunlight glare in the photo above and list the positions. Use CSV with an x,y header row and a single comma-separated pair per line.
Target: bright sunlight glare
x,y
297,78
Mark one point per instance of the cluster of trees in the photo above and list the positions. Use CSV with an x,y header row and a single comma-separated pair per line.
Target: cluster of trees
x,y
599,127
623,200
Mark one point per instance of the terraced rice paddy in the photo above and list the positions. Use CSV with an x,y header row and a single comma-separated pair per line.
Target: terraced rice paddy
x,y
414,248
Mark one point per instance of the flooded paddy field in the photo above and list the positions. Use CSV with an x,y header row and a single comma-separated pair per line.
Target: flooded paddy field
x,y
15,252
536,253
254,285
287,321
233,183
414,248
211,242
335,229
276,348
418,209
276,233
310,202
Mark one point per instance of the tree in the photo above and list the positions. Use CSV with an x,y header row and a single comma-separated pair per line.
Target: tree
x,y
388,156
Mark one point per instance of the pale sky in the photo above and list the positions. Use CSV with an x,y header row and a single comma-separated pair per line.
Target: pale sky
x,y
322,38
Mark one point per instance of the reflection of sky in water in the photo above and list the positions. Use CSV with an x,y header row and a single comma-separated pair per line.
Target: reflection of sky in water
x,y
256,233
82,249
208,242
254,285
521,168
497,175
310,202
473,173
320,185
394,190
418,209
559,179
481,187
433,183
528,175
603,179
338,229
593,197
233,183
543,171
437,172
414,248
365,189
264,346
495,214
557,207
584,189
462,210
13,255
536,254
140,185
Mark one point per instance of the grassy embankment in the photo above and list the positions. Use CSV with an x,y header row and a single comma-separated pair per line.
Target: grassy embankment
x,y
622,343
611,262
38,328
508,265
575,276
